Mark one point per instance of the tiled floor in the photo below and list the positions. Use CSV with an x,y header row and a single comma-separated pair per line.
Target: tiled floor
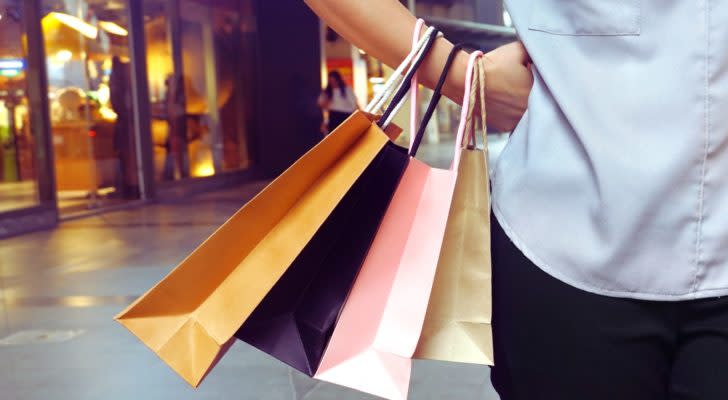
x,y
78,276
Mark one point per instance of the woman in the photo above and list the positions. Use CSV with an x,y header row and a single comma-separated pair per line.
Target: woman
x,y
610,242
337,101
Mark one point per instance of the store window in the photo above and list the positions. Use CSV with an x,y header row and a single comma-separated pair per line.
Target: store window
x,y
18,170
90,100
200,60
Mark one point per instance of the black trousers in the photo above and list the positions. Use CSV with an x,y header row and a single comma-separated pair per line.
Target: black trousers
x,y
556,342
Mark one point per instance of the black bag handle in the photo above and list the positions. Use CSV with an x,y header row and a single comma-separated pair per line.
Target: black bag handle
x,y
407,84
437,94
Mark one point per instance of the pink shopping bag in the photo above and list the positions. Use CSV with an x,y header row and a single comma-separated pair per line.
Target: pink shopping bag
x,y
381,322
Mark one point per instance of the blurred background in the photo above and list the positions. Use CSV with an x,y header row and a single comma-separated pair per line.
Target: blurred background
x,y
130,130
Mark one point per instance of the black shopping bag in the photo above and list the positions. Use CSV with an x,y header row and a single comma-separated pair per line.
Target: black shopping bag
x,y
295,321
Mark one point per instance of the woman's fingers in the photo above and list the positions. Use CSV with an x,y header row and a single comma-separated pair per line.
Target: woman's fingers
x,y
508,83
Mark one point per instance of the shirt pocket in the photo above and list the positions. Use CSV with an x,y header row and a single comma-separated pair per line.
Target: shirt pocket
x,y
586,17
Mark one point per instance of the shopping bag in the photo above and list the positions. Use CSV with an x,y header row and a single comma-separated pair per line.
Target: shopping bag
x,y
189,317
457,325
380,324
295,320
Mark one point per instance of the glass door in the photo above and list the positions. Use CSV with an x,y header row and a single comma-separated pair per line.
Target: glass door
x,y
200,59
18,177
217,57
90,100
170,159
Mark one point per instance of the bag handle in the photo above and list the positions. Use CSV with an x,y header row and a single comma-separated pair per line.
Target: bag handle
x,y
377,103
466,108
436,95
414,105
479,97
431,35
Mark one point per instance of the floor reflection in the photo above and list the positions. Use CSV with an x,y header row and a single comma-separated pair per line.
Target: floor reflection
x,y
69,301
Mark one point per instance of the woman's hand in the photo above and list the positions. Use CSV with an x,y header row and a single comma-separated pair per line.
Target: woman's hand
x,y
508,81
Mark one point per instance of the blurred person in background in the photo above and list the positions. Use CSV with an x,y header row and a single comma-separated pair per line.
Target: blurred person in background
x,y
337,101
610,242
177,141
120,98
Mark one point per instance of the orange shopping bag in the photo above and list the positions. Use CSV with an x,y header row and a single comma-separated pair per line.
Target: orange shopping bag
x,y
188,318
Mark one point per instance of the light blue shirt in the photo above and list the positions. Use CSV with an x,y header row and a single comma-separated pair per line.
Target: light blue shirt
x,y
616,179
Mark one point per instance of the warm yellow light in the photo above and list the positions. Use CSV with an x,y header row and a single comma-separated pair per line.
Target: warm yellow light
x,y
204,169
77,301
108,114
64,56
93,72
113,28
76,23
106,65
103,93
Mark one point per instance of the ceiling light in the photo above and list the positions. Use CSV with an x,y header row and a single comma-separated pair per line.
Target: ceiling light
x,y
113,28
76,23
64,55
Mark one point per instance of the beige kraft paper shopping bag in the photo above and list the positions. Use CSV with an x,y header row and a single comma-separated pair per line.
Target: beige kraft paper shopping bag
x,y
458,322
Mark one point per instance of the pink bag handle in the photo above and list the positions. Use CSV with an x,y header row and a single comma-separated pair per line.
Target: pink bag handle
x,y
478,86
465,109
414,107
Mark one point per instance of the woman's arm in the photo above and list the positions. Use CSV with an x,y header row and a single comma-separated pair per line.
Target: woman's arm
x,y
383,28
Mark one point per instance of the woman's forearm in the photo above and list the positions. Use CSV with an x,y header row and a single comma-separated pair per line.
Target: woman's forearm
x,y
383,28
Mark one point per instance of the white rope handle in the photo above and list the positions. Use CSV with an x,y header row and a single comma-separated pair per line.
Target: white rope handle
x,y
414,103
421,53
399,77
396,78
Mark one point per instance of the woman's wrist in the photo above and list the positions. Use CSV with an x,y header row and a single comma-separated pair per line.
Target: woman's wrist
x,y
454,87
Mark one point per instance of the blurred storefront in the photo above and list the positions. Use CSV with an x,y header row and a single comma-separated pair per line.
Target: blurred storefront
x,y
106,103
